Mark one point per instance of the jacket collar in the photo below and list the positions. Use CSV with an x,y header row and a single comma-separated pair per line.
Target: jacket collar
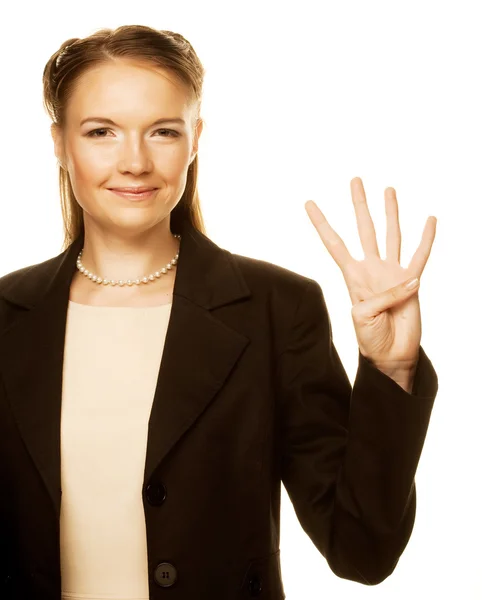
x,y
200,349
206,274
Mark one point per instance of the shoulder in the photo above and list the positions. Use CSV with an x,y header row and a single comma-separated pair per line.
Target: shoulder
x,y
283,299
9,279
272,279
13,277
23,284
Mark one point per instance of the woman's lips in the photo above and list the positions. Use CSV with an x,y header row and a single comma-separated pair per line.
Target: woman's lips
x,y
134,195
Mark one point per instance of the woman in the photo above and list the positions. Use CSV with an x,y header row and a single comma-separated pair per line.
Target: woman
x,y
156,389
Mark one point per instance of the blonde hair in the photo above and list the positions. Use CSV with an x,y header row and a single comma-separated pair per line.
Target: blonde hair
x,y
164,49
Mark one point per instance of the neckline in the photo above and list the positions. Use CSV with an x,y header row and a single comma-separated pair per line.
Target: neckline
x,y
124,307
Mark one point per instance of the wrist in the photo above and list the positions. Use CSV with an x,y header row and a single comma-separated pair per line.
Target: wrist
x,y
404,377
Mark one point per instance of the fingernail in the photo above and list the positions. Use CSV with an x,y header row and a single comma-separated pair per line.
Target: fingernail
x,y
412,283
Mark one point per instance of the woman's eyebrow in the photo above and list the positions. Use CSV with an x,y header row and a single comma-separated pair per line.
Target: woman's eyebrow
x,y
111,122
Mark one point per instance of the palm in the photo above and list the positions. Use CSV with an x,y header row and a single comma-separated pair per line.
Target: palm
x,y
397,330
387,336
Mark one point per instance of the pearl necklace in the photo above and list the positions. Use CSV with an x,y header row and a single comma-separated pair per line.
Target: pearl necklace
x,y
120,282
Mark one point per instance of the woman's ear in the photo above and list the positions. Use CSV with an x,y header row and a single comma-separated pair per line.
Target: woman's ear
x,y
57,139
197,133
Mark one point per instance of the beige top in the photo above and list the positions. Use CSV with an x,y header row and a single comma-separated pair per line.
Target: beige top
x,y
111,364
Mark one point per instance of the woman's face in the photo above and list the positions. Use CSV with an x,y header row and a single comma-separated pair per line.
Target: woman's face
x,y
131,150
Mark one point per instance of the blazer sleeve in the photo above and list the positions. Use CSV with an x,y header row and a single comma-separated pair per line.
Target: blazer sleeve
x,y
349,455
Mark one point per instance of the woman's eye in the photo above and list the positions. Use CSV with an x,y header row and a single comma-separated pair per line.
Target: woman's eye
x,y
172,133
94,132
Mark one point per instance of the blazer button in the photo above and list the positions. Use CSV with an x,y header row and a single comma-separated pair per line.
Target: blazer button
x,y
254,585
156,494
165,574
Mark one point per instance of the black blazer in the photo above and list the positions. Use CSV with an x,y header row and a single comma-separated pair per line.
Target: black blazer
x,y
250,392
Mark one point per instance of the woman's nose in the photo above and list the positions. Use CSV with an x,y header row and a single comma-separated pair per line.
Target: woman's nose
x,y
135,159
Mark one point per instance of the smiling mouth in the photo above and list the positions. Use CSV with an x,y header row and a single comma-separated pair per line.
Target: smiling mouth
x,y
133,194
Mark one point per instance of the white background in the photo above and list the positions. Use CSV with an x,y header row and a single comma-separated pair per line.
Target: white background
x,y
299,98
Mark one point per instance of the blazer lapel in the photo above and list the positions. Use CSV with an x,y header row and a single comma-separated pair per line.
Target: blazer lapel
x,y
199,353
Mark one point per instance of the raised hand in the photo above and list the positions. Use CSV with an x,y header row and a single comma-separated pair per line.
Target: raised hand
x,y
386,314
